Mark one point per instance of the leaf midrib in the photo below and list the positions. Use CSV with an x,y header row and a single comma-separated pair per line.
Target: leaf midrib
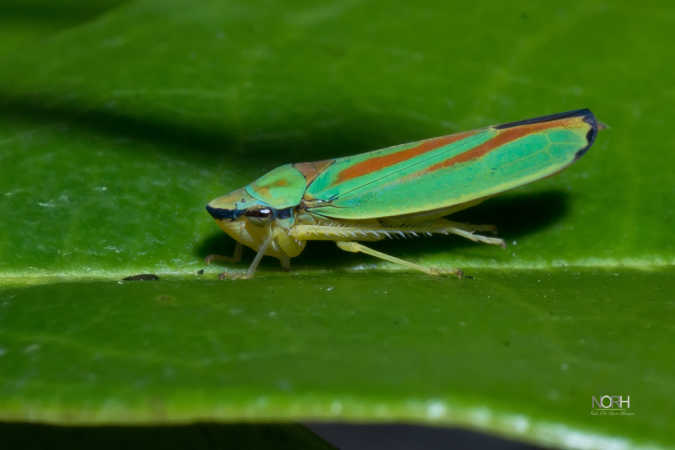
x,y
29,278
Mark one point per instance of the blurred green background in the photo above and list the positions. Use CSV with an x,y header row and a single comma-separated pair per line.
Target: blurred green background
x,y
120,120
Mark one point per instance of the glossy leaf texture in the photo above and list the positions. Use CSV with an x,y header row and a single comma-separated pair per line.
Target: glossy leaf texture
x,y
119,122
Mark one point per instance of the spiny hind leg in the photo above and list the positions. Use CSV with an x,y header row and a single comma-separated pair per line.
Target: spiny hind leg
x,y
467,230
375,232
492,229
344,234
355,247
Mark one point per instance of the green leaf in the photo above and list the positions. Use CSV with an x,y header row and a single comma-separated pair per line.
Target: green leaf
x,y
518,352
119,122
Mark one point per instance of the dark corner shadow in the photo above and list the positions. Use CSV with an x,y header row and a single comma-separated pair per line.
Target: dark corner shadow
x,y
326,131
515,215
404,436
209,436
42,11
205,436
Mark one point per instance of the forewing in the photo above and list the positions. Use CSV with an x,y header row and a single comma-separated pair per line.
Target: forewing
x,y
450,170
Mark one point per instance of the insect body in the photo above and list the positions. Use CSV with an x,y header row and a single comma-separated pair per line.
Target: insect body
x,y
405,190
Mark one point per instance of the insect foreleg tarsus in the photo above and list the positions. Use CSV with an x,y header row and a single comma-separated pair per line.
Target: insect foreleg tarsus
x,y
260,254
254,265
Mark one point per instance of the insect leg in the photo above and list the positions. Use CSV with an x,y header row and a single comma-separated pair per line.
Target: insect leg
x,y
355,247
285,262
468,231
259,255
235,258
254,265
477,237
376,233
471,227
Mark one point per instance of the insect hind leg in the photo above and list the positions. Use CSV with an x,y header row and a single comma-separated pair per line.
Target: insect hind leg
x,y
468,231
355,247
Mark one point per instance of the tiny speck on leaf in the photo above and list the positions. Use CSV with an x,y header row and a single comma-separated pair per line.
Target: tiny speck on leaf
x,y
166,299
141,277
200,272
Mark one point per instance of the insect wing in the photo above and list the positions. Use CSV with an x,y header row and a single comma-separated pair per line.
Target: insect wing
x,y
450,170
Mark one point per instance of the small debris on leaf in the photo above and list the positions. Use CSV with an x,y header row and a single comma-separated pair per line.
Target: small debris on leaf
x,y
141,277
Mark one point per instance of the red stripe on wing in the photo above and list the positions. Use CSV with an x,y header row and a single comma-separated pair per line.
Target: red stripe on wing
x,y
380,162
504,137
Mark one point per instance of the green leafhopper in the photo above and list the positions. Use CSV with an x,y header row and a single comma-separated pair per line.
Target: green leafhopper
x,y
405,190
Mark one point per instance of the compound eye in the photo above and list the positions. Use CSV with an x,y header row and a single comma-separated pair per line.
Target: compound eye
x,y
263,213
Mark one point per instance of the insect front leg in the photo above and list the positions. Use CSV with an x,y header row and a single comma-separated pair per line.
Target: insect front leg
x,y
235,258
254,265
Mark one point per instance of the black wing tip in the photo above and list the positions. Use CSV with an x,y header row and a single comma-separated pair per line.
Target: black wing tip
x,y
590,119
585,113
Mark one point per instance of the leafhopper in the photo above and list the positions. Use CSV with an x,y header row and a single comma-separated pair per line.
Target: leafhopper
x,y
405,190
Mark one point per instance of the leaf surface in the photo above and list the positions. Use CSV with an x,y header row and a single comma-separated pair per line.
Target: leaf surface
x,y
119,122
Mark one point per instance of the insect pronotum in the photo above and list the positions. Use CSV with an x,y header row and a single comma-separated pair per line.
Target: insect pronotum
x,y
405,190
